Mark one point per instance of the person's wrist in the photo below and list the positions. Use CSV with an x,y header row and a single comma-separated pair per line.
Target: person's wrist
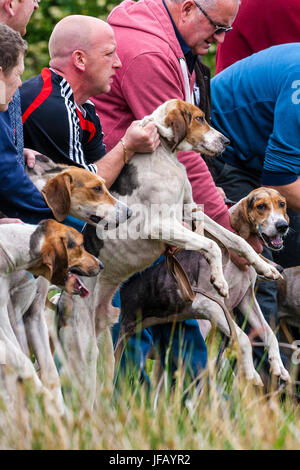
x,y
125,150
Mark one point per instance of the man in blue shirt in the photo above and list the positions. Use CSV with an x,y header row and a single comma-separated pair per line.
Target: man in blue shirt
x,y
256,104
18,195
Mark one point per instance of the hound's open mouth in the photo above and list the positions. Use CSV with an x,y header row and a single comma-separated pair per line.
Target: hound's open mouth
x,y
73,285
105,225
208,153
274,243
95,218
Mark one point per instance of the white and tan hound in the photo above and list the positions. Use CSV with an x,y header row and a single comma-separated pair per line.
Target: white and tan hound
x,y
154,298
262,212
77,192
56,252
67,190
148,180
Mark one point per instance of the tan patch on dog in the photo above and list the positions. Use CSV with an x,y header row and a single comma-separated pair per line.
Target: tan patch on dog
x,y
187,122
255,209
76,185
62,250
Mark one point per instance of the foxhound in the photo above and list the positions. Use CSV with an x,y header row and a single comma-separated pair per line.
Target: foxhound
x,y
56,252
149,181
263,213
77,192
67,190
153,297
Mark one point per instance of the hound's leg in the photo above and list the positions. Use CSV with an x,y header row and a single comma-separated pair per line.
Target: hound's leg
x,y
16,359
79,351
173,233
23,288
240,247
210,310
38,338
250,308
106,314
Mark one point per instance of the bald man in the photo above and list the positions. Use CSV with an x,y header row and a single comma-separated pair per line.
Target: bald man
x,y
58,118
17,13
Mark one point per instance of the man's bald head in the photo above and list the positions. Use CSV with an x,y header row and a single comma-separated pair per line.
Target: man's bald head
x,y
83,50
76,32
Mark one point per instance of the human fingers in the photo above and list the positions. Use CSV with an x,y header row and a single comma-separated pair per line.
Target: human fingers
x,y
7,220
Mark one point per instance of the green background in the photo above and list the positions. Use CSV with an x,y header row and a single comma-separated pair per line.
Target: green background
x,y
49,13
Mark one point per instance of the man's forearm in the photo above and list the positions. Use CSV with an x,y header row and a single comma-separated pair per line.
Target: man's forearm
x,y
137,139
292,194
110,166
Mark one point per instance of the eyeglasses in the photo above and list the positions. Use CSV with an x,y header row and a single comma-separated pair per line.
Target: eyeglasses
x,y
219,29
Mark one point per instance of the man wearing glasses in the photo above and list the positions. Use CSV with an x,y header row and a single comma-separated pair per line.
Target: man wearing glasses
x,y
159,44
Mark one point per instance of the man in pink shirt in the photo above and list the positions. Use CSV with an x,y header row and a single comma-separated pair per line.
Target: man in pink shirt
x,y
159,43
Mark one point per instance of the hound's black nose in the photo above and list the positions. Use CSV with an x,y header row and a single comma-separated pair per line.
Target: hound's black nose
x,y
281,226
225,141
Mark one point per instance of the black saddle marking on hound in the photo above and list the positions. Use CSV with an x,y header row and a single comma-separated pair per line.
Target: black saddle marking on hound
x,y
154,293
126,182
92,243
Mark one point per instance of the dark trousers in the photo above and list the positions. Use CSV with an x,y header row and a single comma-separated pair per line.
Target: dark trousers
x,y
238,183
182,341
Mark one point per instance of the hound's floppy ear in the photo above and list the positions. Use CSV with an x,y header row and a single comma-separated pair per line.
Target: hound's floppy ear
x,y
239,219
55,260
179,120
57,193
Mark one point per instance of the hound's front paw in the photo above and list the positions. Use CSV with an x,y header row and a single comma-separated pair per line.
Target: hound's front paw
x,y
278,369
253,376
220,285
267,270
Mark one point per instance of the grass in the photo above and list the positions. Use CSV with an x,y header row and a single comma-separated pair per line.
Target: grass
x,y
227,414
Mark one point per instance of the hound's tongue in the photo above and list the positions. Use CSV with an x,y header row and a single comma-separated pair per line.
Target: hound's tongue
x,y
75,286
276,241
80,288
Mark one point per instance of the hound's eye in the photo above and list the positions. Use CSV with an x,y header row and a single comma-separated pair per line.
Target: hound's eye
x,y
281,204
200,119
98,189
262,207
71,243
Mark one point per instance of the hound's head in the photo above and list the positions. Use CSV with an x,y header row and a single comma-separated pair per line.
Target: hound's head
x,y
83,194
262,212
183,126
63,256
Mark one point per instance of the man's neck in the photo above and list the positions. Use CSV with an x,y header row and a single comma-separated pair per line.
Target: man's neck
x,y
80,97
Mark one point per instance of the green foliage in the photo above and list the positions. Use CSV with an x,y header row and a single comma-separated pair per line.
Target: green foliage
x,y
50,12
44,20
209,59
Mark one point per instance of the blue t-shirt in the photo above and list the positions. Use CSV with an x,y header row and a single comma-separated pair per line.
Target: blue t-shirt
x,y
256,104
